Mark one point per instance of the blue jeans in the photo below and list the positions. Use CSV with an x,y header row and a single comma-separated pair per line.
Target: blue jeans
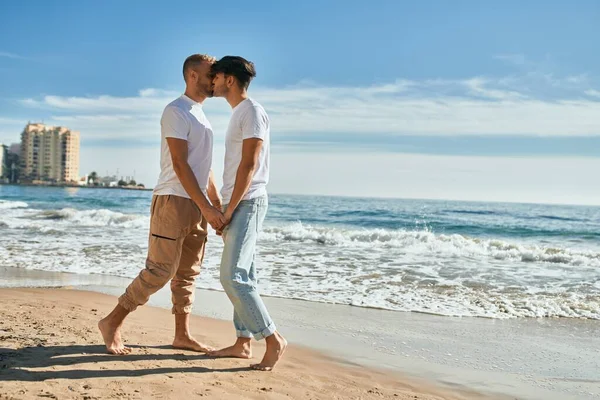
x,y
238,269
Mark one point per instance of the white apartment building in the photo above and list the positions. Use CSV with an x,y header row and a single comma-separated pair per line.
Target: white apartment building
x,y
49,153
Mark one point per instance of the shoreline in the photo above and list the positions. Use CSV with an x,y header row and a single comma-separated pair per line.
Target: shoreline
x,y
341,196
523,358
49,347
61,185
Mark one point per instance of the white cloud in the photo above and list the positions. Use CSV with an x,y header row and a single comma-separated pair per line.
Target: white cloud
x,y
593,93
577,79
9,55
533,103
539,73
479,87
475,106
157,93
99,104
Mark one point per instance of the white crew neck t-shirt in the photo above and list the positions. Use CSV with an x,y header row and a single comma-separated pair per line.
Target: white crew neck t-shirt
x,y
184,119
248,120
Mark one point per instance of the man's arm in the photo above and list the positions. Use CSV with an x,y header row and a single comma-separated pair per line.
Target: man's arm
x,y
243,178
213,193
179,156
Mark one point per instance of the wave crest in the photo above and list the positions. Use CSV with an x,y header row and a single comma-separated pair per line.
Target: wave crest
x,y
99,217
441,245
7,204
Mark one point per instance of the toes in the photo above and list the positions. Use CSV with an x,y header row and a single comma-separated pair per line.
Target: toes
x,y
119,351
259,367
203,349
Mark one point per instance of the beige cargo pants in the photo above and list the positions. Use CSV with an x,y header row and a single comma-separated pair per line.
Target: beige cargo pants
x,y
178,234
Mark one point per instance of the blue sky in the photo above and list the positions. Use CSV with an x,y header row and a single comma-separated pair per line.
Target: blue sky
x,y
347,84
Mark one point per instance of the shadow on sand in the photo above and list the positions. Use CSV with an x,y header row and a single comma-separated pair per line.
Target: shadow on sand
x,y
15,364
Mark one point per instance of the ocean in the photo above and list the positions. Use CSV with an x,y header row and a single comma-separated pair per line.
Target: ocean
x,y
450,258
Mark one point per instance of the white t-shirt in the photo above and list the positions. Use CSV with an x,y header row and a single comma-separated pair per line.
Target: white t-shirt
x,y
184,119
248,120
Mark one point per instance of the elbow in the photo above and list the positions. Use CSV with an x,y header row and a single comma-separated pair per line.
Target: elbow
x,y
248,167
178,165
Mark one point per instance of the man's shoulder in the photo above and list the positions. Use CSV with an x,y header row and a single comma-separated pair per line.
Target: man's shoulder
x,y
255,104
177,103
175,108
253,108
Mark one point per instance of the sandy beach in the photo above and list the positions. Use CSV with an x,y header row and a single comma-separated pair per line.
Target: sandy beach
x,y
50,348
336,350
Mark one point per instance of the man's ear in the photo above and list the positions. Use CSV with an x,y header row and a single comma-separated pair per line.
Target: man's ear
x,y
230,80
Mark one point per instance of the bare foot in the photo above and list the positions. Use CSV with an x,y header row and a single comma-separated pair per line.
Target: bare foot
x,y
189,343
241,349
276,345
112,338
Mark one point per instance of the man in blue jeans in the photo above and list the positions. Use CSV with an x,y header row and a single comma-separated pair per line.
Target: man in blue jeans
x,y
245,203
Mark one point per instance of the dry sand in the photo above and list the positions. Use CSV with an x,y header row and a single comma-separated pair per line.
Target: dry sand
x,y
50,348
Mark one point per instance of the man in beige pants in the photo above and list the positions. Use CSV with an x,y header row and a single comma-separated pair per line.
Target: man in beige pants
x,y
180,211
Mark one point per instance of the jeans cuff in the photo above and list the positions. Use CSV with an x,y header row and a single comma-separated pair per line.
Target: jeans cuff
x,y
268,331
244,334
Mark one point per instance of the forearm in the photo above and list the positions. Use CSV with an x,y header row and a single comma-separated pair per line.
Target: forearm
x,y
190,184
243,179
213,193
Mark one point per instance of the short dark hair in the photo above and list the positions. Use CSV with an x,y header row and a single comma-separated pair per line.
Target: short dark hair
x,y
238,67
196,59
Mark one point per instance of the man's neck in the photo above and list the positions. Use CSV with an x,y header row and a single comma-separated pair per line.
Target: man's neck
x,y
198,98
235,98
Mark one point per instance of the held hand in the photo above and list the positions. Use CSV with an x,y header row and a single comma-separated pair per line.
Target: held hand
x,y
216,203
228,216
215,218
220,233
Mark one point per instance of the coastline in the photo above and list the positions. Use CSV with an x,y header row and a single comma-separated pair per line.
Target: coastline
x,y
549,359
63,185
50,348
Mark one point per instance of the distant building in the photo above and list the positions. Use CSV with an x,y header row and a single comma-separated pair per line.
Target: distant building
x,y
109,181
15,148
11,164
83,181
3,160
49,154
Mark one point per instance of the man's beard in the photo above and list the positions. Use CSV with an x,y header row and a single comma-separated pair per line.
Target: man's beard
x,y
205,90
